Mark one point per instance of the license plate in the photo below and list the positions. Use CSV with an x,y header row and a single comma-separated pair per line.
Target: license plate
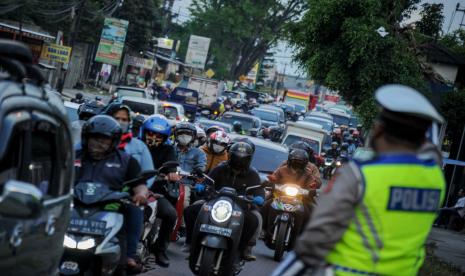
x,y
207,228
69,268
86,226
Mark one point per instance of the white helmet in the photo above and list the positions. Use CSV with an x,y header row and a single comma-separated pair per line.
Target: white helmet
x,y
403,99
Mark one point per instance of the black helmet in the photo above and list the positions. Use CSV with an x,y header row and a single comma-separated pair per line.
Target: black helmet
x,y
297,159
237,126
101,125
275,133
303,146
240,156
334,144
185,128
79,95
89,109
245,140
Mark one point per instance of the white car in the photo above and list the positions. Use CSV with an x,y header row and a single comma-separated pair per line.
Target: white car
x,y
174,112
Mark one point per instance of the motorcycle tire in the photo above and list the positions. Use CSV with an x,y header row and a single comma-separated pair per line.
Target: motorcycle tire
x,y
280,245
208,262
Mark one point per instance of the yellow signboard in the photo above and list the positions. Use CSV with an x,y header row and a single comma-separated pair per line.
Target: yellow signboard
x,y
54,52
210,73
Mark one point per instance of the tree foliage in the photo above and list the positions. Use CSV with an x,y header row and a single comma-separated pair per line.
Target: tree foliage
x,y
241,31
338,44
432,19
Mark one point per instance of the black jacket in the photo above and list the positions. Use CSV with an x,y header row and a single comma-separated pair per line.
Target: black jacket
x,y
225,177
112,171
161,155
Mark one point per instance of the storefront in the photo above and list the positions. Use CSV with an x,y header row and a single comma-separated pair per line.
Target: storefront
x,y
33,38
137,71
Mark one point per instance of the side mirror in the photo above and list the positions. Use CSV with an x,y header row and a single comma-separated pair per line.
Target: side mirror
x,y
20,200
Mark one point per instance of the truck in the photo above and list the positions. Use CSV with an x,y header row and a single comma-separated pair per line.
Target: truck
x,y
303,98
206,88
311,133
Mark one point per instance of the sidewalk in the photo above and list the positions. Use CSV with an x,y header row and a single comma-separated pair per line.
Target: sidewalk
x,y
450,246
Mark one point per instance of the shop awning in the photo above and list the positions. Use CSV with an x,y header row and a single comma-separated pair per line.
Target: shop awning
x,y
166,59
26,32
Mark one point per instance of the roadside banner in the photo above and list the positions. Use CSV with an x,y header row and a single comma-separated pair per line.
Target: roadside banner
x,y
140,62
165,43
197,51
253,73
54,52
112,41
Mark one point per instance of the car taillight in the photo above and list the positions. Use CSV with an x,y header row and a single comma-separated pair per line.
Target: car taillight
x,y
177,118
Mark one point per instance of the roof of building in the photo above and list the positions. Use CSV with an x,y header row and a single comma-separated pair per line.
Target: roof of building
x,y
440,54
26,30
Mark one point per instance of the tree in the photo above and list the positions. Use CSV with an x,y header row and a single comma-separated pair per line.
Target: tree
x,y
431,20
342,45
241,31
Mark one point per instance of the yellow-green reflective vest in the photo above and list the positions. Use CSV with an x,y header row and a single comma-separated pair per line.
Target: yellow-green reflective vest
x,y
393,219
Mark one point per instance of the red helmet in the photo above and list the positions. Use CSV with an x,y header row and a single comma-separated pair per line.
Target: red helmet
x,y
218,141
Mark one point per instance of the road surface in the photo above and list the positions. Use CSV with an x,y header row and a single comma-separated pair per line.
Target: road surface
x,y
263,266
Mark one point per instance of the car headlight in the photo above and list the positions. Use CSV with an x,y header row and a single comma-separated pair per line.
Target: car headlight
x,y
86,243
69,242
221,211
291,191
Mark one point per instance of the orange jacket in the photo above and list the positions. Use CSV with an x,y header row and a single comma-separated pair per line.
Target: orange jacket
x,y
213,159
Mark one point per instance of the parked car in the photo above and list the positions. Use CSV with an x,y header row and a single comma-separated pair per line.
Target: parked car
x,y
250,124
206,123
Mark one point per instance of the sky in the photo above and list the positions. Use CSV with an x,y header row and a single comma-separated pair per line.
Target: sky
x,y
284,53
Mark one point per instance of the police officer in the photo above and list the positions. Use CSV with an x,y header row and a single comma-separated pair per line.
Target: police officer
x,y
374,218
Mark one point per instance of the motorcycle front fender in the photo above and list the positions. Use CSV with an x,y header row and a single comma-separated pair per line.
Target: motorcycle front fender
x,y
213,241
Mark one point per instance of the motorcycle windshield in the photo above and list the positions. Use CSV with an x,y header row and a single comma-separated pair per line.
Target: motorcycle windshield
x,y
91,193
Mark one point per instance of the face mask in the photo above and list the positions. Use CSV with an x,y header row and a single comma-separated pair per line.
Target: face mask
x,y
125,127
196,143
218,148
184,139
97,150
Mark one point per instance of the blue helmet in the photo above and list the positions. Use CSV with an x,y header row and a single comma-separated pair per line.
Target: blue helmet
x,y
156,124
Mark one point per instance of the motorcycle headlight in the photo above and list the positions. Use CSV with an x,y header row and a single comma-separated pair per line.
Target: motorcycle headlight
x,y
338,163
69,242
86,243
221,211
328,163
291,191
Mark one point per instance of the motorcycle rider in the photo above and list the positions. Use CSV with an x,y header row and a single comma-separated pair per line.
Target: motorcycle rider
x,y
310,152
201,138
99,152
371,220
189,157
139,151
78,98
155,132
216,149
296,170
237,128
333,152
352,147
85,112
212,129
238,174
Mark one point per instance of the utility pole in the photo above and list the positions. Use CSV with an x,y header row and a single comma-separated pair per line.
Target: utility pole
x,y
73,31
458,9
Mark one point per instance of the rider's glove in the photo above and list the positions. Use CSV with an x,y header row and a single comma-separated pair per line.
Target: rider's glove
x,y
199,188
258,200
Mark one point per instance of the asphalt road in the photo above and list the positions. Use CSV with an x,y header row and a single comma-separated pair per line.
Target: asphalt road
x,y
263,266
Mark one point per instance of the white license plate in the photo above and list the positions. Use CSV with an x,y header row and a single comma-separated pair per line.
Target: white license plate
x,y
69,266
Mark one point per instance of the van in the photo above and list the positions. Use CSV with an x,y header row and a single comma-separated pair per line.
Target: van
x,y
174,112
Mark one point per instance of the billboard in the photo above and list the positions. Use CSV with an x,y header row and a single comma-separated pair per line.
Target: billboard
x,y
112,40
197,51
165,43
54,52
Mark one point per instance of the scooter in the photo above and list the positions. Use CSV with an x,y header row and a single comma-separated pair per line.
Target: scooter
x,y
179,198
330,166
217,232
287,199
92,246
